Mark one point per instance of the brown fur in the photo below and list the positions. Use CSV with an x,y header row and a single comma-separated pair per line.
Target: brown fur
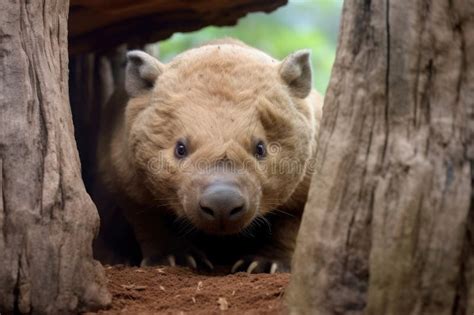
x,y
220,97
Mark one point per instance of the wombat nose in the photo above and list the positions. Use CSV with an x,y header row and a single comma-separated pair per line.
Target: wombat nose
x,y
222,202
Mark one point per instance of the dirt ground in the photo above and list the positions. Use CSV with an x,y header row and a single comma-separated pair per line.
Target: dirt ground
x,y
175,290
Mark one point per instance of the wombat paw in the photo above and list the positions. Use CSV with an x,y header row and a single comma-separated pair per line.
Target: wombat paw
x,y
259,264
194,259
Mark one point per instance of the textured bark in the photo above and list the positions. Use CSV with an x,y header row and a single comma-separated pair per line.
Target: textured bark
x,y
100,25
388,228
47,220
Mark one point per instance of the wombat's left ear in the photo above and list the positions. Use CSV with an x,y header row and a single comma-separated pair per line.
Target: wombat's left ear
x,y
295,70
141,72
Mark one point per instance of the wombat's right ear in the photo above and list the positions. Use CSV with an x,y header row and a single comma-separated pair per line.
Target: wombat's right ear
x,y
141,72
296,72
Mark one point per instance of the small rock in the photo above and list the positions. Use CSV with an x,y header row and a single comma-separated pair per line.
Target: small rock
x,y
223,304
199,287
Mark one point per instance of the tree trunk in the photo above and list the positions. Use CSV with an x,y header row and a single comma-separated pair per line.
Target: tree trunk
x,y
388,228
47,220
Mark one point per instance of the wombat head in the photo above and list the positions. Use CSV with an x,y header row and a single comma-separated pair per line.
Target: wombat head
x,y
221,134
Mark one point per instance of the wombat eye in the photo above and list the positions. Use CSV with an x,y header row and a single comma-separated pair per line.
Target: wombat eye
x,y
260,150
180,150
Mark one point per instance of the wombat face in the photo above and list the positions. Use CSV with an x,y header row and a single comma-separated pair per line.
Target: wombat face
x,y
221,134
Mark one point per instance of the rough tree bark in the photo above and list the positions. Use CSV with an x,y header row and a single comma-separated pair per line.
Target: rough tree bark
x,y
388,228
99,25
47,220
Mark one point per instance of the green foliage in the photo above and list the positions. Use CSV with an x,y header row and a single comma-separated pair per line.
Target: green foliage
x,y
312,24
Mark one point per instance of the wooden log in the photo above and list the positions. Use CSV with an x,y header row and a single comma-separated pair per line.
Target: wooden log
x,y
100,25
388,228
47,220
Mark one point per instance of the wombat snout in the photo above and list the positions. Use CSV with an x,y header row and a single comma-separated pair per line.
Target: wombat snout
x,y
222,202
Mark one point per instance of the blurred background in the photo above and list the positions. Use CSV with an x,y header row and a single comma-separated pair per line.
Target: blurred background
x,y
312,24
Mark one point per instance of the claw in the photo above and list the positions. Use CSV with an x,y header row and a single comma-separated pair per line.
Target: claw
x,y
144,262
252,266
273,268
191,261
237,265
208,263
171,260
